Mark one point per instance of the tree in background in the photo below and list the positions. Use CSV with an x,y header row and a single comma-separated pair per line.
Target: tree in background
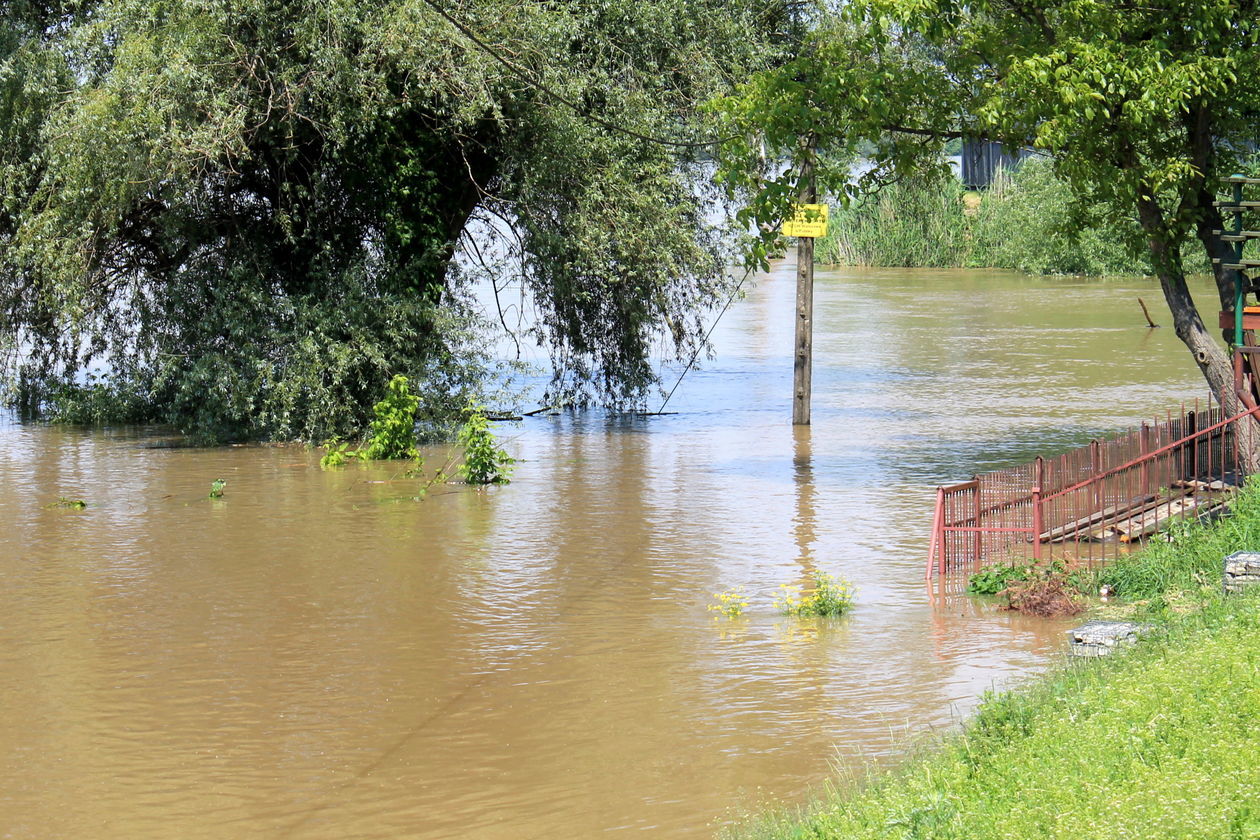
x,y
247,211
1141,107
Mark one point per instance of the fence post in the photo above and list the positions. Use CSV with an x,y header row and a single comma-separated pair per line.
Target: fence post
x,y
1037,523
979,544
936,553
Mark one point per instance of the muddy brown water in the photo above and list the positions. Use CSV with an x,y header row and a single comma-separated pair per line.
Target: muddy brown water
x,y
319,655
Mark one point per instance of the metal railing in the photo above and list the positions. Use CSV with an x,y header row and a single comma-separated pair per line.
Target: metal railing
x,y
1093,503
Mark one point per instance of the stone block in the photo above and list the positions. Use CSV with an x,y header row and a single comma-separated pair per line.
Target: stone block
x,y
1242,569
1099,638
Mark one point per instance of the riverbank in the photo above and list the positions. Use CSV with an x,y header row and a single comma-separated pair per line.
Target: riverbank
x,y
1160,741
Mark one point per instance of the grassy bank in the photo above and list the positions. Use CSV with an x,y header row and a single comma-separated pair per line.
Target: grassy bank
x,y
1160,741
1028,222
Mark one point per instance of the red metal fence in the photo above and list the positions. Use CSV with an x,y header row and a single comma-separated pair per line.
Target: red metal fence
x,y
1095,502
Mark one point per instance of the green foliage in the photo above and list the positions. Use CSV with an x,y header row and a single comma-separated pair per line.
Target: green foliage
x,y
250,212
830,596
337,454
1140,110
484,461
730,603
920,222
1158,741
993,579
70,504
216,488
392,432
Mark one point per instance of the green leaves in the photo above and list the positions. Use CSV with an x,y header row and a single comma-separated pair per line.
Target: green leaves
x,y
251,212
484,461
392,433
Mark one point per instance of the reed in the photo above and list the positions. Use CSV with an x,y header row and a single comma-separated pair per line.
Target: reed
x,y
1028,221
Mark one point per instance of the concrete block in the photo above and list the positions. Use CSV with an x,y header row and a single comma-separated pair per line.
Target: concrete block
x,y
1099,638
1242,569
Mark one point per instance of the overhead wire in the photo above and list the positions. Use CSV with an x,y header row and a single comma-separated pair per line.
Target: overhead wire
x,y
691,362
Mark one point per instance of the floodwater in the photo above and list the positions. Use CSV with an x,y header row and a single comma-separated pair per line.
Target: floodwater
x,y
317,654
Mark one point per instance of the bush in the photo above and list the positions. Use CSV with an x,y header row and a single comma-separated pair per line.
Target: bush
x,y
484,462
392,432
1046,592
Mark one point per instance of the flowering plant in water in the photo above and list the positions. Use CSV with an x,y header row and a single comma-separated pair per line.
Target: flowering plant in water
x,y
731,603
831,596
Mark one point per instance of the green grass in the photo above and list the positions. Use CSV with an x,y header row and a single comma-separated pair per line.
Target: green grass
x,y
1160,741
1192,559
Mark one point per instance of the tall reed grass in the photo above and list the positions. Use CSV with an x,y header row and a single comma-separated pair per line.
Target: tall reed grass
x,y
1027,221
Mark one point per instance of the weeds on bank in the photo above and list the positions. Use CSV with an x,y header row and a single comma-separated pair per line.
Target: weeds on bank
x,y
993,579
1159,740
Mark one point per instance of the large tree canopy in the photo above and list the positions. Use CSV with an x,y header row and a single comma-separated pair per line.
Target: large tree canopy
x,y
1140,106
247,211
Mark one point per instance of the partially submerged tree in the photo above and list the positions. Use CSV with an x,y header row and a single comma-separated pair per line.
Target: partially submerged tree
x,y
1143,107
247,211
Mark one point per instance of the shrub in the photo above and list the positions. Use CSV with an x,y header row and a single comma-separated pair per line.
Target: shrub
x,y
1045,592
392,432
484,462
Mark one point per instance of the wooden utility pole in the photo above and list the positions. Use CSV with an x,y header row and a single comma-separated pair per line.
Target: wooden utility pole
x,y
803,368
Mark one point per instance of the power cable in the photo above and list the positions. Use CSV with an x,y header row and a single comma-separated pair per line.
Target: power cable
x,y
705,342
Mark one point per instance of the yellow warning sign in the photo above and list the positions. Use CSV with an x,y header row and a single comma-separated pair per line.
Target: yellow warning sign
x,y
808,220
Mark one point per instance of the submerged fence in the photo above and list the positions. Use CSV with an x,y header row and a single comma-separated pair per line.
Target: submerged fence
x,y
1095,502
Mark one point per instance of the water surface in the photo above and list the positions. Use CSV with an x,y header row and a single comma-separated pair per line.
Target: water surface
x,y
320,655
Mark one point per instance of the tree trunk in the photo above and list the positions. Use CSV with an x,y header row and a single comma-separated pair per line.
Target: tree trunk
x,y
1213,362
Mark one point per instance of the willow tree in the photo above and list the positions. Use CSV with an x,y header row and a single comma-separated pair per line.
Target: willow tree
x,y
245,212
1141,107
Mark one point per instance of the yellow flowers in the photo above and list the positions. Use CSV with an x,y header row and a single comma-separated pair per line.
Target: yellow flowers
x,y
831,596
730,603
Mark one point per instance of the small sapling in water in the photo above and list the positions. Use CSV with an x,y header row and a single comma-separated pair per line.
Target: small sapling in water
x,y
484,462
